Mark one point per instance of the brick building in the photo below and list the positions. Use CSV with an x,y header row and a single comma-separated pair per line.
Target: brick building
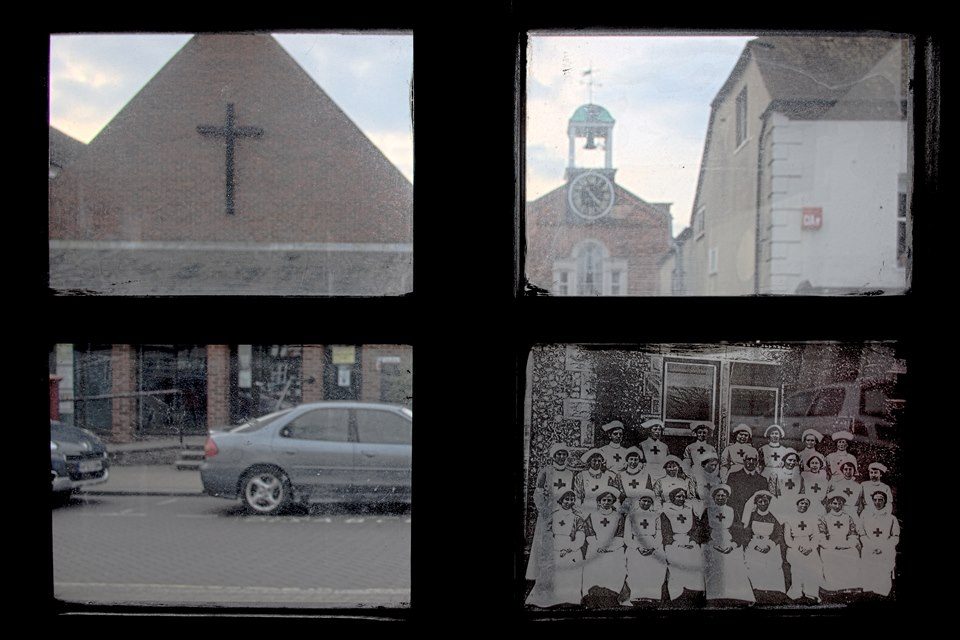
x,y
231,172
591,236
127,392
63,150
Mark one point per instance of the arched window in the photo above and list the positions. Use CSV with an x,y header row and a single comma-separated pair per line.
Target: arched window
x,y
590,258
590,271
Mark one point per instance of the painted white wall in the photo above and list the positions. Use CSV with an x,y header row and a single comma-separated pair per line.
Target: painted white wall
x,y
850,169
728,196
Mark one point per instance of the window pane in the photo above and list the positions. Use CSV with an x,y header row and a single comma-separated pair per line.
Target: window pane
x,y
746,403
754,375
231,164
689,392
171,384
382,427
150,509
92,406
702,548
796,145
828,403
873,401
797,404
322,424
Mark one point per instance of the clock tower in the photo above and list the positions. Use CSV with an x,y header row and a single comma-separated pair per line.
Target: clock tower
x,y
590,191
590,236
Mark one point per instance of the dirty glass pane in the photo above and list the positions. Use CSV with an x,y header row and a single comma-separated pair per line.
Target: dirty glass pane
x,y
209,164
381,427
88,389
621,514
828,402
331,425
689,391
225,505
753,402
873,401
718,166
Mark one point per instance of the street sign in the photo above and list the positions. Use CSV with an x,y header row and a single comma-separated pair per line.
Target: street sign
x,y
812,218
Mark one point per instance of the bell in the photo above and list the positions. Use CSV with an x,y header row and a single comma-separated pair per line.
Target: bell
x,y
591,143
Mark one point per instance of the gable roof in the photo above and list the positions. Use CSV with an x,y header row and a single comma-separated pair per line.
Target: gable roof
x,y
849,77
312,176
63,149
551,208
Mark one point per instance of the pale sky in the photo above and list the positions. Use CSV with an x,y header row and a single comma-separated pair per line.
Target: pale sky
x,y
93,76
658,90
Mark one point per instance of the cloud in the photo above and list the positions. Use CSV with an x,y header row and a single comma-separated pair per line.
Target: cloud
x,y
398,147
93,76
368,76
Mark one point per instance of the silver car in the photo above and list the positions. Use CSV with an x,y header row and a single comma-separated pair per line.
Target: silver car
x,y
312,453
77,459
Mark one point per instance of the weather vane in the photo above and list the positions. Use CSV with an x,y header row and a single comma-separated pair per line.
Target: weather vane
x,y
591,82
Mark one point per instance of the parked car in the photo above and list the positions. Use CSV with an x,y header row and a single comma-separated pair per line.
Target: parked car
x,y
867,407
312,453
77,459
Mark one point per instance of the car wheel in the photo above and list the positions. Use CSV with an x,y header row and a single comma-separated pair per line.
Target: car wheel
x,y
266,491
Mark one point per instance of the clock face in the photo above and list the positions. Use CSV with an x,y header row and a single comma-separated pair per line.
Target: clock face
x,y
591,195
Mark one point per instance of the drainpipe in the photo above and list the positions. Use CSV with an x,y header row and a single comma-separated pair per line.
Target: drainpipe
x,y
756,237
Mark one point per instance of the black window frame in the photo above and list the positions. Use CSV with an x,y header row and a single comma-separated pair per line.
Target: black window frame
x,y
542,319
471,381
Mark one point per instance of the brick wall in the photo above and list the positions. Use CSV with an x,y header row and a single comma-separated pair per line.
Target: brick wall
x,y
312,372
218,385
633,230
311,177
370,389
123,364
372,375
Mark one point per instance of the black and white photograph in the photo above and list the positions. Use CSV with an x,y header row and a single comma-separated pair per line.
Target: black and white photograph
x,y
712,475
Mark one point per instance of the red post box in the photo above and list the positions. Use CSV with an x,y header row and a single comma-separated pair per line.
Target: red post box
x,y
55,396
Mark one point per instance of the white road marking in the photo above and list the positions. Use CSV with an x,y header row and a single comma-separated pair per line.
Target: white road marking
x,y
308,520
165,502
198,516
217,587
257,595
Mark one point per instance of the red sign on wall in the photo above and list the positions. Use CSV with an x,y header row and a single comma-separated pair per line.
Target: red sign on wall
x,y
812,217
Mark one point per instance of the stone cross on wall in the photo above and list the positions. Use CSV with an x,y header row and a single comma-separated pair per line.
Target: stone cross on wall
x,y
230,134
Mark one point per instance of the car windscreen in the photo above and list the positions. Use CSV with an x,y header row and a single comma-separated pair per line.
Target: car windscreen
x,y
258,423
